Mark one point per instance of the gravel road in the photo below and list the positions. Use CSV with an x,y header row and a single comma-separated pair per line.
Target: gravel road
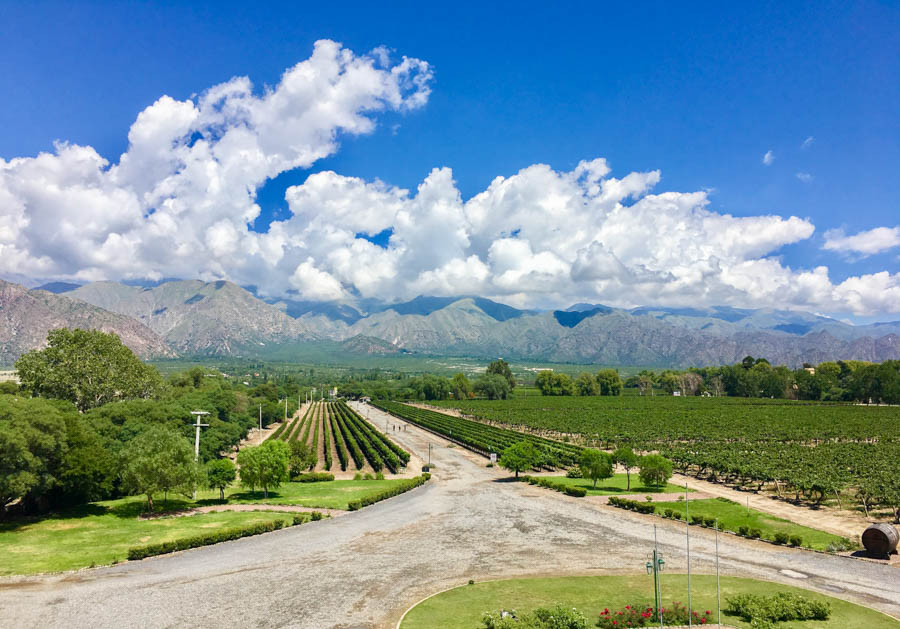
x,y
364,569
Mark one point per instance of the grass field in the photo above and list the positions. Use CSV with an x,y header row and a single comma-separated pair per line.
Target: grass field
x,y
100,533
463,607
732,515
616,485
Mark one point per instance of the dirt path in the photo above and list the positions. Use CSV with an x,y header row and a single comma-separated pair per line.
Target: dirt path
x,y
838,524
363,569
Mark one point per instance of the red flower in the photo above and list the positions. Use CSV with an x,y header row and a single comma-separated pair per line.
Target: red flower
x,y
703,621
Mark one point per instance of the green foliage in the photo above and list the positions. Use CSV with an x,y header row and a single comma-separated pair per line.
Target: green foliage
x,y
8,387
264,466
501,368
609,382
159,460
493,386
550,483
552,383
626,457
302,458
779,607
87,368
220,473
394,490
595,465
315,477
519,457
586,384
558,617
460,387
656,470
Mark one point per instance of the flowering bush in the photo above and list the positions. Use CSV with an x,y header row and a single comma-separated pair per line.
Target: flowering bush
x,y
558,617
780,607
643,615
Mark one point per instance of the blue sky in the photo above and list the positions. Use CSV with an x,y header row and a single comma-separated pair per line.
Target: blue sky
x,y
700,92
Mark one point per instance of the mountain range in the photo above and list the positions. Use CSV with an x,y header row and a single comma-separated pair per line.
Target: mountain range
x,y
195,318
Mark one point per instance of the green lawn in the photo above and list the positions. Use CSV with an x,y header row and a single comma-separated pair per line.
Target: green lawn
x,y
616,485
101,533
463,607
733,515
328,495
98,535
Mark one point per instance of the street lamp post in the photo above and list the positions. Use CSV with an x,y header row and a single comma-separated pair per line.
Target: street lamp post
x,y
655,564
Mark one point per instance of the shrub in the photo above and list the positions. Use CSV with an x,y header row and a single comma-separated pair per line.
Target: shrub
x,y
709,522
205,539
315,516
578,492
395,490
558,617
379,476
696,519
781,538
574,472
796,540
677,515
755,533
668,513
744,531
358,476
780,607
368,477
315,477
644,615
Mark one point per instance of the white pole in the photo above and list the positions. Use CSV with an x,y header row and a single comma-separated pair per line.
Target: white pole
x,y
687,528
260,418
198,426
658,578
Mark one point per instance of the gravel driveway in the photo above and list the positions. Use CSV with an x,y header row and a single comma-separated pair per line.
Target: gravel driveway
x,y
363,570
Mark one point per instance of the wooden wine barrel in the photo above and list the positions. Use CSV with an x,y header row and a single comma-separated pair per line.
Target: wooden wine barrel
x,y
880,540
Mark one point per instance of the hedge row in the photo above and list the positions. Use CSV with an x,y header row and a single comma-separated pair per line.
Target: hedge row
x,y
150,550
631,505
395,490
543,481
314,477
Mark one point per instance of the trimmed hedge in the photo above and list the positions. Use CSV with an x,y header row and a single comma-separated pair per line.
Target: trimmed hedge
x,y
206,539
549,483
400,488
632,505
314,477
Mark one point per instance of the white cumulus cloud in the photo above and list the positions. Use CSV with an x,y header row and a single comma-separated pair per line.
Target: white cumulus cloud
x,y
768,158
866,243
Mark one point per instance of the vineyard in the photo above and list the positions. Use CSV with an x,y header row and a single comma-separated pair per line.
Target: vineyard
x,y
342,439
481,438
799,450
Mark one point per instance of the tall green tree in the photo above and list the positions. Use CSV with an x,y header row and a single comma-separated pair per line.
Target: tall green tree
x,y
159,460
519,457
303,458
656,470
551,383
626,457
595,465
88,368
501,368
220,473
609,382
460,386
492,386
265,465
586,384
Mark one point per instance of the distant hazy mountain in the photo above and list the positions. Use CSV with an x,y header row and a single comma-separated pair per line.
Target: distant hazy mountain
x,y
27,315
221,318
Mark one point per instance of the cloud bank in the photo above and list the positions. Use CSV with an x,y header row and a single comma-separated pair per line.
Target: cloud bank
x,y
181,201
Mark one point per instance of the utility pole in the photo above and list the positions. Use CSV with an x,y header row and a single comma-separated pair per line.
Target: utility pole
x,y
198,426
260,418
687,529
718,591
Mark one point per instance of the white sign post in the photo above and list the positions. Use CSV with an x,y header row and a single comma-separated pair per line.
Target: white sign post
x,y
493,458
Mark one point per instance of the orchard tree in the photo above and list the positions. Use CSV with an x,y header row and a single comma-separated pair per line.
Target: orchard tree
x,y
595,465
519,457
88,368
501,368
492,386
220,473
609,382
656,470
303,458
159,460
626,457
265,465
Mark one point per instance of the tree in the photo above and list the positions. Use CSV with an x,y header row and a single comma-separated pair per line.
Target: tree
x,y
595,465
586,384
159,460
551,383
501,368
609,382
460,386
626,457
220,473
265,465
492,386
656,470
519,457
88,368
303,458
